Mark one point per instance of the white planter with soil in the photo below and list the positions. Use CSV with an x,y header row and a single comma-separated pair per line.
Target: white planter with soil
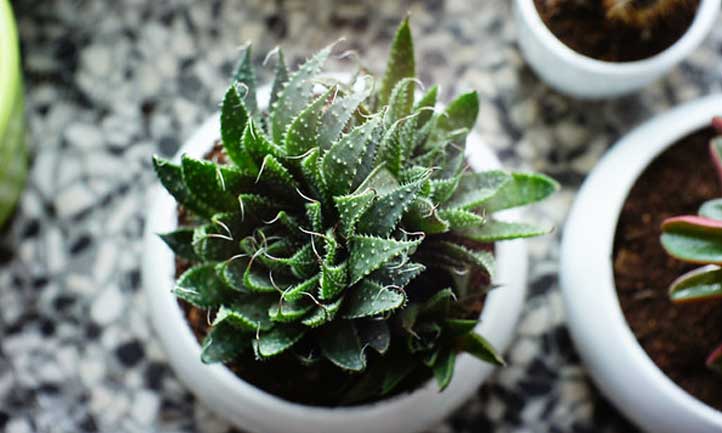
x,y
584,77
617,362
252,409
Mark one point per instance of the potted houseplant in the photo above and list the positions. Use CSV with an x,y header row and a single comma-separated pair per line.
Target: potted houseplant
x,y
332,252
697,239
598,49
646,353
13,159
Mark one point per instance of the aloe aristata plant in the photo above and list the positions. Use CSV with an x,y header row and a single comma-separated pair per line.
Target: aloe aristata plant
x,y
323,238
698,239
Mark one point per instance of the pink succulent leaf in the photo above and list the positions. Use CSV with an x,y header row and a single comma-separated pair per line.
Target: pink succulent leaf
x,y
715,150
717,123
698,285
714,361
694,239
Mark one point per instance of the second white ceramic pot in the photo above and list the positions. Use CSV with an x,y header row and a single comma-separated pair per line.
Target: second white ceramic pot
x,y
253,409
584,77
618,364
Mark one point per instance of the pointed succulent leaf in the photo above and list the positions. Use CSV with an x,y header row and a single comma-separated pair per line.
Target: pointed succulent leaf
x,y
311,171
341,345
396,144
340,164
337,116
289,311
386,212
693,239
444,368
171,177
450,255
280,78
493,230
257,280
231,271
302,289
245,74
459,327
201,286
303,263
296,93
714,360
275,173
381,180
439,304
277,340
258,145
460,114
257,206
314,215
223,344
425,106
479,347
181,242
367,164
443,189
350,208
425,337
461,219
374,334
249,313
398,273
333,280
371,299
712,209
524,188
323,313
211,242
400,63
698,285
423,216
303,132
476,189
214,185
234,121
368,253
401,100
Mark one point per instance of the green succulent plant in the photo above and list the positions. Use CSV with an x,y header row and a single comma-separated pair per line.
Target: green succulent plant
x,y
324,237
698,239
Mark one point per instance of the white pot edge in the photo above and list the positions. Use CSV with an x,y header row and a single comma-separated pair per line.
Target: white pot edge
x,y
252,409
618,364
577,75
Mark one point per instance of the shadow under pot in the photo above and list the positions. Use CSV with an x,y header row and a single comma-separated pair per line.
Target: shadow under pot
x,y
646,352
608,48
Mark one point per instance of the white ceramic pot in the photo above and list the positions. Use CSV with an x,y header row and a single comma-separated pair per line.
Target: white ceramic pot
x,y
252,409
618,364
584,77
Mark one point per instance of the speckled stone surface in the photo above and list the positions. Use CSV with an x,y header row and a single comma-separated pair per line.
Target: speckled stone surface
x,y
111,82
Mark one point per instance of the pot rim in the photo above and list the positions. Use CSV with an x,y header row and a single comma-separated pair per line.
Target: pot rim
x,y
499,318
9,63
597,323
705,18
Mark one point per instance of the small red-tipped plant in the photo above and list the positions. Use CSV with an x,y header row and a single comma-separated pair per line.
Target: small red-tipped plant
x,y
698,239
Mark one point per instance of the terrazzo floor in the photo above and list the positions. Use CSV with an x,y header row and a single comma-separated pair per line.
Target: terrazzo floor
x,y
111,82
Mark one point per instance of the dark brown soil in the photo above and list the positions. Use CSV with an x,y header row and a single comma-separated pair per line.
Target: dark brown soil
x,y
584,27
321,384
677,338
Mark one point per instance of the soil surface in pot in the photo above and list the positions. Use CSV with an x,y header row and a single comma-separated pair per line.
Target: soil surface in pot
x,y
584,27
320,384
677,338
